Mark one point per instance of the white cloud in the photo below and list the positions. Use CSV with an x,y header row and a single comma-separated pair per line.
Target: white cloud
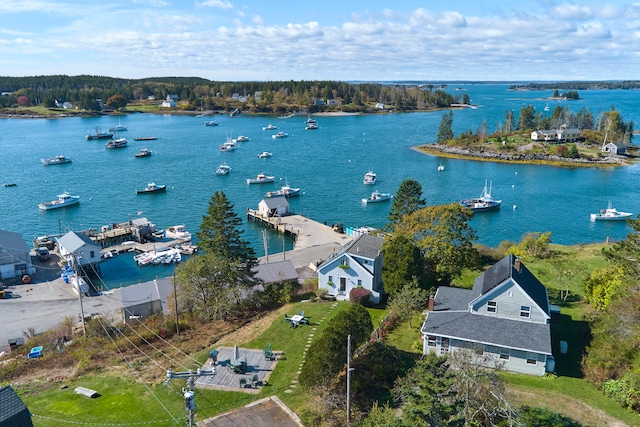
x,y
219,4
572,11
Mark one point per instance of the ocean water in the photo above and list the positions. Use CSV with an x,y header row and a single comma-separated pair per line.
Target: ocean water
x,y
328,164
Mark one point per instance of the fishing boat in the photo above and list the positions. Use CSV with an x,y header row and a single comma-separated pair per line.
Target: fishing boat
x,y
483,203
99,134
64,199
9,184
177,232
242,138
279,135
285,190
370,178
117,143
260,179
227,146
610,214
118,128
223,169
144,152
377,196
211,123
57,160
270,127
151,187
145,138
264,155
311,126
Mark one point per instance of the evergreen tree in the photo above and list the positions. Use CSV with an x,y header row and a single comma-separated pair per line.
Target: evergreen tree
x,y
220,233
445,133
403,262
526,119
407,200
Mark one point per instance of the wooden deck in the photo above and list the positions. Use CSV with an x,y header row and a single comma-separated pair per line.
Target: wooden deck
x,y
226,379
275,222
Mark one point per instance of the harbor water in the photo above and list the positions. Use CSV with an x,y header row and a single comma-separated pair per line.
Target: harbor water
x,y
328,165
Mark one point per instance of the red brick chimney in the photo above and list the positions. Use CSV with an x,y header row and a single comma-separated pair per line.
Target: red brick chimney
x,y
516,264
431,302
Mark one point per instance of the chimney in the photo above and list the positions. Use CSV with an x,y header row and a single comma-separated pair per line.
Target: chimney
x,y
516,264
431,302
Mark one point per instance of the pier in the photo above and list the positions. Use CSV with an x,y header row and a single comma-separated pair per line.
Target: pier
x,y
281,224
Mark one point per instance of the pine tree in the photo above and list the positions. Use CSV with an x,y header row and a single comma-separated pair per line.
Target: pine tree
x,y
407,200
445,132
220,233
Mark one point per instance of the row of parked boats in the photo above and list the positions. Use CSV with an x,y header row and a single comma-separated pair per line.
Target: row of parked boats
x,y
165,256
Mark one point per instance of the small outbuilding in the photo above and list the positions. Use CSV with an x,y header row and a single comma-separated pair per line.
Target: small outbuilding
x,y
15,259
78,249
617,148
146,299
274,206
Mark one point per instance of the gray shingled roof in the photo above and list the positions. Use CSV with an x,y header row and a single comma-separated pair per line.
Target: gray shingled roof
x,y
448,299
73,241
366,246
527,336
13,411
154,290
276,271
12,240
276,202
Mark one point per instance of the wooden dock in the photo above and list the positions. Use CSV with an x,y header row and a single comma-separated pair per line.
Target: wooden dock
x,y
279,224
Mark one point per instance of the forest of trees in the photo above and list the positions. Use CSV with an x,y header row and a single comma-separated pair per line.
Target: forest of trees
x,y
275,97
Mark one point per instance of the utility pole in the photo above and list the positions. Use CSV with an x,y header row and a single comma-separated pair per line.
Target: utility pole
x,y
175,298
75,267
349,379
189,394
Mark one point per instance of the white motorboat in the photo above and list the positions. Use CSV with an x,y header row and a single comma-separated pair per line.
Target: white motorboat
x,y
152,187
265,154
310,121
311,126
144,152
120,127
610,214
117,143
279,135
211,123
483,203
177,232
260,179
270,127
64,199
285,190
441,167
223,169
370,178
242,138
227,146
377,196
57,160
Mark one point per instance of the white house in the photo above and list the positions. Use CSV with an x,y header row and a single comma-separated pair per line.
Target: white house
x,y
543,135
563,134
504,318
15,258
358,265
615,148
78,249
171,101
274,206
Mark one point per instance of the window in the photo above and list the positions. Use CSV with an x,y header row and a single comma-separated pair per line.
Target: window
x,y
359,283
505,353
525,311
92,254
444,347
492,306
532,358
330,281
431,341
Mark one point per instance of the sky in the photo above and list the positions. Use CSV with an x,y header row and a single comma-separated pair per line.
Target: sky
x,y
355,40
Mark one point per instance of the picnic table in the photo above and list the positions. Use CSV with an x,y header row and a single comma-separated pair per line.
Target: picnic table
x,y
297,319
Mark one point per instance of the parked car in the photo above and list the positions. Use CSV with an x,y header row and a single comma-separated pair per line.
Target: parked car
x,y
43,253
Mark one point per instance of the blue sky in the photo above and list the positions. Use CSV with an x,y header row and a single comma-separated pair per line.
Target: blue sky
x,y
322,40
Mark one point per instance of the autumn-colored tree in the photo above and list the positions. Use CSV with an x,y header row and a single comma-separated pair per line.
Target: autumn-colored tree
x,y
116,101
23,101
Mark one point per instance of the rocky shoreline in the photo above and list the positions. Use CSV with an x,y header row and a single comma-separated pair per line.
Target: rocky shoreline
x,y
528,158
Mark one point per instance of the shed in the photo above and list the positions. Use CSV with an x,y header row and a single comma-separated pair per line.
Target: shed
x,y
273,272
15,259
142,229
274,206
617,148
13,411
146,299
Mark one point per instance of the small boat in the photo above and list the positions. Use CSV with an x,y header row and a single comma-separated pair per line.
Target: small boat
x,y
370,178
242,138
310,121
99,134
64,199
441,167
227,146
260,179
483,203
264,155
285,191
546,108
270,127
57,160
144,152
211,123
177,232
377,196
145,138
223,169
279,135
311,126
610,214
119,128
151,187
9,184
117,143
